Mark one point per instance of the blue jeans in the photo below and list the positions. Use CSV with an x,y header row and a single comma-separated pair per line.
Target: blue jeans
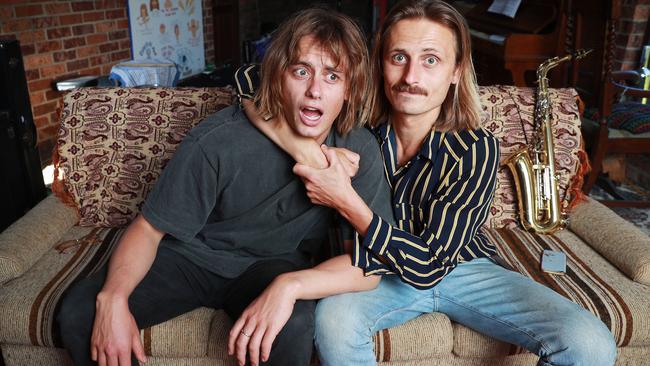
x,y
478,294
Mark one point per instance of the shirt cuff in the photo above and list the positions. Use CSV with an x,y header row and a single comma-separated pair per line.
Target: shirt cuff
x,y
378,235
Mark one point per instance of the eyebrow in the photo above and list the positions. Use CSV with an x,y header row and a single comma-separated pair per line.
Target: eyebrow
x,y
328,68
430,49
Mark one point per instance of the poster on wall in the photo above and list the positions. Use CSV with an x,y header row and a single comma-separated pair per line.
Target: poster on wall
x,y
168,30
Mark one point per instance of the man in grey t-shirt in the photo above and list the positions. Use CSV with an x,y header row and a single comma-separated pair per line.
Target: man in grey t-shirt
x,y
228,218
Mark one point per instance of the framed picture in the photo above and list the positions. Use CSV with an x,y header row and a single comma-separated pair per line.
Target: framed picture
x,y
168,30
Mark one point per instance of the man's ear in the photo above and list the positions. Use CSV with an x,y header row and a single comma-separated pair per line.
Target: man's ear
x,y
456,77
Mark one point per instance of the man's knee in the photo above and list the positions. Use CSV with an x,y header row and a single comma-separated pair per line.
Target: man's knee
x,y
301,322
585,340
76,314
294,344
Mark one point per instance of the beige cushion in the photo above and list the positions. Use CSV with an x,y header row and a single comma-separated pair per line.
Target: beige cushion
x,y
114,142
509,115
622,243
24,242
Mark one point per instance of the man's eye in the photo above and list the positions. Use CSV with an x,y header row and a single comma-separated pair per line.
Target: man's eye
x,y
431,60
300,72
332,77
399,58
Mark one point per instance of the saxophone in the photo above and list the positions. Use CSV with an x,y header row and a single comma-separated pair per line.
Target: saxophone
x,y
533,167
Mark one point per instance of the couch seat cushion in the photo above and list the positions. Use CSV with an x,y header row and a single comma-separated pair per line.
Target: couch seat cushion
x,y
28,304
590,281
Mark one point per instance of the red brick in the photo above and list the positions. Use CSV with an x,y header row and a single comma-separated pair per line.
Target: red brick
x,y
41,121
82,5
29,10
56,33
125,44
94,16
48,46
69,19
120,56
105,27
6,13
115,14
106,69
52,95
51,130
93,71
87,51
108,47
123,24
36,98
79,30
31,36
13,26
64,55
76,65
108,4
53,71
43,84
96,38
42,109
117,35
57,8
45,22
74,42
36,61
99,60
27,49
32,74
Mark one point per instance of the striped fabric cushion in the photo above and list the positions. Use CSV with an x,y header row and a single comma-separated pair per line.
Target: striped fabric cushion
x,y
590,281
28,304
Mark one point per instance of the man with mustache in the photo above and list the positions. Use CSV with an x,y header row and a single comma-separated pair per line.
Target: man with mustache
x,y
442,170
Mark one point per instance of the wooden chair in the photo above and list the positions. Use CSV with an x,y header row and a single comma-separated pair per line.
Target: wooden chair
x,y
617,141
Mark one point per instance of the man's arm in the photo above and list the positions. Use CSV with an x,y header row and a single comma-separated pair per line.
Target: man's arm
x,y
265,317
115,333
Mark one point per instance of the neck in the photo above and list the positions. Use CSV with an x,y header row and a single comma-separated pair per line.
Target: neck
x,y
410,131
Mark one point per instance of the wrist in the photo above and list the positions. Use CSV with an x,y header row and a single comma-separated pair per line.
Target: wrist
x,y
112,297
289,284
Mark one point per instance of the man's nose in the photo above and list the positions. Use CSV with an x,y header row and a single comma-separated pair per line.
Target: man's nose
x,y
314,89
411,73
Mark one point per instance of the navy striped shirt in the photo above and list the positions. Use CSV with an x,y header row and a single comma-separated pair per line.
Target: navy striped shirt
x,y
441,198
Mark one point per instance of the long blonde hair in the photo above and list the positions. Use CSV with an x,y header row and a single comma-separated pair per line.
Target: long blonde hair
x,y
462,107
341,37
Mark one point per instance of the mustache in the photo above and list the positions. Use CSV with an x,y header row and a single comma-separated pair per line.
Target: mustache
x,y
403,87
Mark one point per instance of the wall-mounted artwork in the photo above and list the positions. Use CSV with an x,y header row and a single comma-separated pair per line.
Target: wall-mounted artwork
x,y
170,30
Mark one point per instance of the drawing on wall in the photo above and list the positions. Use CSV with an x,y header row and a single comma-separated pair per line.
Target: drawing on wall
x,y
171,29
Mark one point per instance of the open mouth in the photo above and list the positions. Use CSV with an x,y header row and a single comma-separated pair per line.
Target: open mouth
x,y
310,116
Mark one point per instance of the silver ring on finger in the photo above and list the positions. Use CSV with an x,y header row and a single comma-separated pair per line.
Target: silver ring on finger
x,y
244,334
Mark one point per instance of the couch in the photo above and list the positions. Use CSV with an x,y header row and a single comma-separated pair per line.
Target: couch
x,y
114,142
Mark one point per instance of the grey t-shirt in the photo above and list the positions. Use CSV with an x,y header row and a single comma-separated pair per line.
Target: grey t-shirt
x,y
229,198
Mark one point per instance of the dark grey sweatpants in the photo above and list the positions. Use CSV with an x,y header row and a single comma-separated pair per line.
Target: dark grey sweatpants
x,y
174,286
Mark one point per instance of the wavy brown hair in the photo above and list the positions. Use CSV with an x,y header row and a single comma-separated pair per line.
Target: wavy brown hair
x,y
462,107
341,37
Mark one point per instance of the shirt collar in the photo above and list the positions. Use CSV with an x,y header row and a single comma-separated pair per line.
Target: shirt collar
x,y
431,144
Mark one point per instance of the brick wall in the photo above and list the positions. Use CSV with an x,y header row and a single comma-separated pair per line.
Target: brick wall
x,y
631,32
61,39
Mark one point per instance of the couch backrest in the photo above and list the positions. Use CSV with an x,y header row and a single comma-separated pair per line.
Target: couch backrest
x,y
509,115
113,143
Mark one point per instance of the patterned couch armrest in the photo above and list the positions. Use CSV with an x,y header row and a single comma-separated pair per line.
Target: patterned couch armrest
x,y
620,242
25,241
